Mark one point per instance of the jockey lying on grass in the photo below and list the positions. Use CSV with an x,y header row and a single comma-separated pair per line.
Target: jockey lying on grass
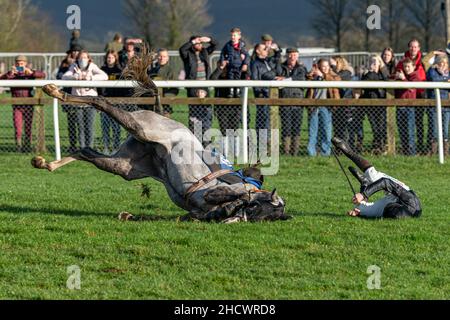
x,y
400,201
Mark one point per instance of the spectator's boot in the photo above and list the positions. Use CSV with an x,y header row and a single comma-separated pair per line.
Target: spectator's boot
x,y
360,162
19,145
296,146
287,146
446,151
434,148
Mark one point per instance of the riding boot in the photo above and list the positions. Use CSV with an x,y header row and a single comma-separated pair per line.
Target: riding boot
x,y
360,177
19,145
287,146
360,162
296,146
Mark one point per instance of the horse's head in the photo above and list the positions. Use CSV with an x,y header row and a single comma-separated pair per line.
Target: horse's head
x,y
265,206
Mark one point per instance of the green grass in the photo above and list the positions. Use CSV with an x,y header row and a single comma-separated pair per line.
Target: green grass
x,y
49,222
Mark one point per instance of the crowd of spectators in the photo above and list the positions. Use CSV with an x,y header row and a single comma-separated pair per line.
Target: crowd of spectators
x,y
266,63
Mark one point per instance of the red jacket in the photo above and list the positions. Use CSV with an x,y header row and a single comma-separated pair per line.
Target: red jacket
x,y
22,92
420,70
409,93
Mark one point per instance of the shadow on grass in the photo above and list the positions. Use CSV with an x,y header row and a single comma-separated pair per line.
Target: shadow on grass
x,y
79,213
54,211
328,215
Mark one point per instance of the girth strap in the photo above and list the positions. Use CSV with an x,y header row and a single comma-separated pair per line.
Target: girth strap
x,y
204,181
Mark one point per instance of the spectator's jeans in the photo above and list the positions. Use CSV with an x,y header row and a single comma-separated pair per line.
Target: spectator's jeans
x,y
377,118
446,122
291,121
109,124
200,121
407,129
23,114
85,119
262,123
320,123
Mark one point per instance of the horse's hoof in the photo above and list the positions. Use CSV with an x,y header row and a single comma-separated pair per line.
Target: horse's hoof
x,y
53,91
38,163
125,216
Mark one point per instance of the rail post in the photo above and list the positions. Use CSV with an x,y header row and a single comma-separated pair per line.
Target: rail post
x,y
439,125
56,129
245,124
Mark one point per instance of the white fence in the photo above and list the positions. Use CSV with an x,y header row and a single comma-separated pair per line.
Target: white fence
x,y
245,85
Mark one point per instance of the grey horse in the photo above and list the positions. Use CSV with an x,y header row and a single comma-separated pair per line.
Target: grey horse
x,y
167,151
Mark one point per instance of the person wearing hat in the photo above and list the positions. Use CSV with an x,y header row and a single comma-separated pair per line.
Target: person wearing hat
x,y
267,39
22,113
74,51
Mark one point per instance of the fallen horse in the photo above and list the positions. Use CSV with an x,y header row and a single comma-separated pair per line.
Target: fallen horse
x,y
205,189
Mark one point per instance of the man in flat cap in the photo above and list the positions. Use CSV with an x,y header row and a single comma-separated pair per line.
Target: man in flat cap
x,y
267,39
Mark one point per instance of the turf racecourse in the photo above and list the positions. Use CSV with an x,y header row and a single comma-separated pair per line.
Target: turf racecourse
x,y
49,222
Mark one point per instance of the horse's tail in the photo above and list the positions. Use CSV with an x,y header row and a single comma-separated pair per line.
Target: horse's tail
x,y
137,70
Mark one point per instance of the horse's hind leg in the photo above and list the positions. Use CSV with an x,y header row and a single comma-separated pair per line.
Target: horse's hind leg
x,y
125,118
118,166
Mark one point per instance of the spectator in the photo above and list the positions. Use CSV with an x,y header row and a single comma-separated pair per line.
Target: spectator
x,y
75,39
112,68
68,109
74,51
439,72
342,115
356,131
237,57
116,45
22,113
320,118
405,115
262,68
267,39
389,60
430,59
377,115
128,52
229,116
195,58
415,55
162,70
84,69
291,116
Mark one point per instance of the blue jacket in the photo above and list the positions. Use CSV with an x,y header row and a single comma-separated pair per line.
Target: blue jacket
x,y
233,56
434,76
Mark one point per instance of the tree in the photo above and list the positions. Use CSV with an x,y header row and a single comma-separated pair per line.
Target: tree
x,y
167,23
426,17
332,20
26,28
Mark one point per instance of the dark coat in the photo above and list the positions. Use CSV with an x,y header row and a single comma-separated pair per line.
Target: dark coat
x,y
233,56
298,73
264,70
374,93
115,73
433,75
187,54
